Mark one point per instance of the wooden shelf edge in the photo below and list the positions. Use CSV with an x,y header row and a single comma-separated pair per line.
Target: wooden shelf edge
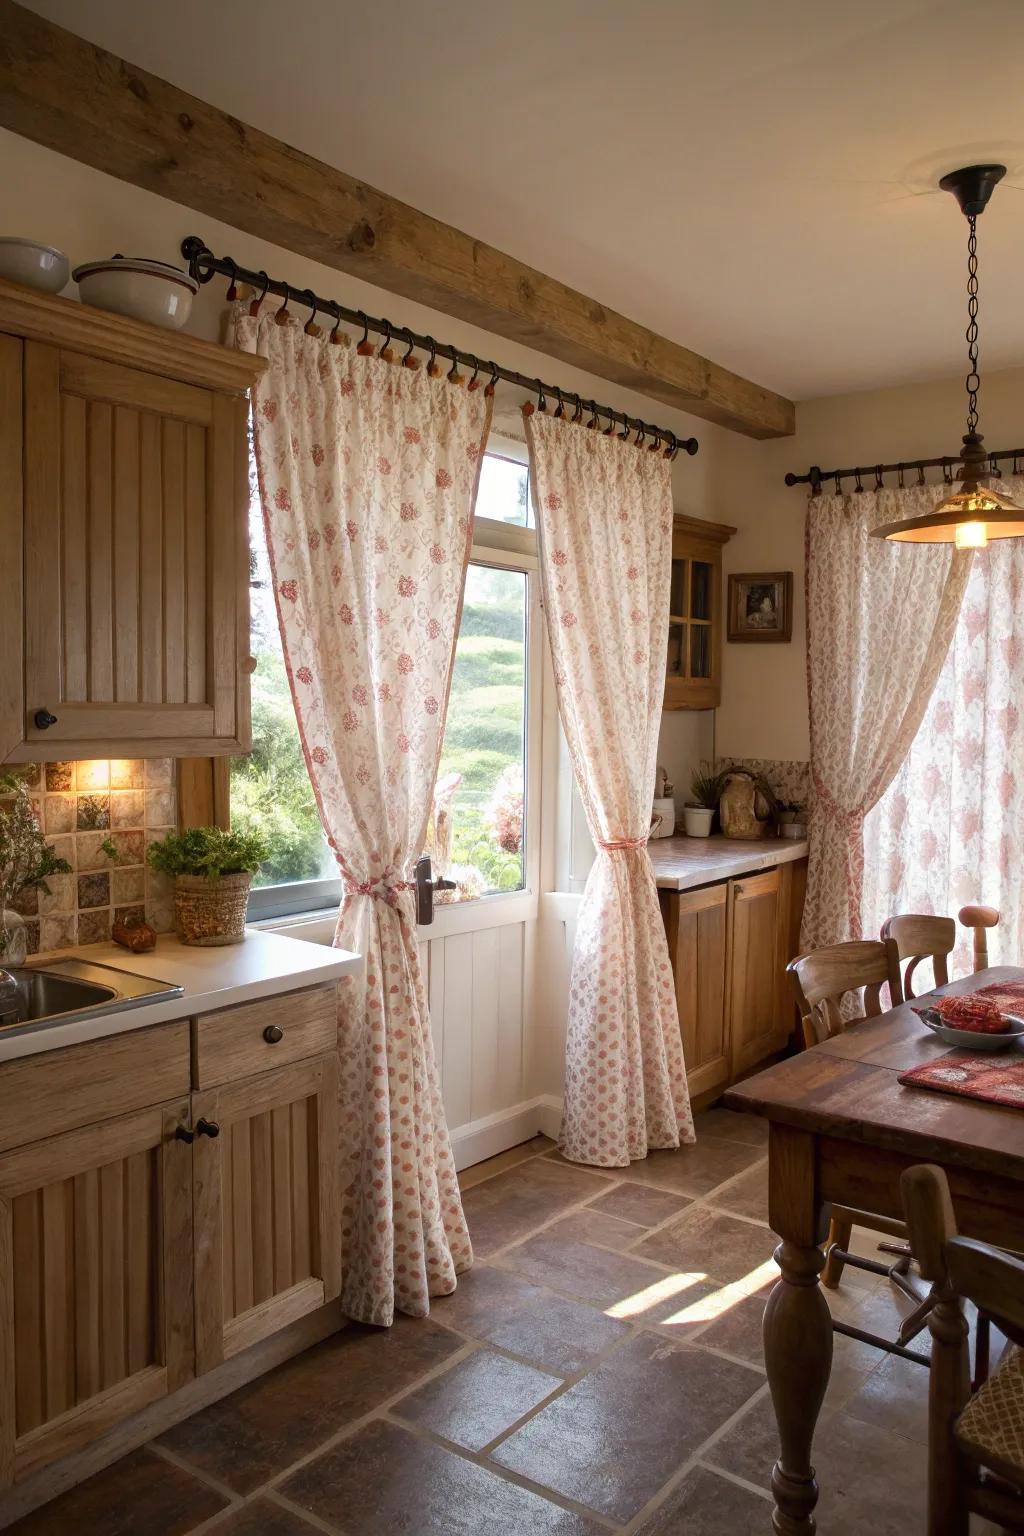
x,y
720,533
62,322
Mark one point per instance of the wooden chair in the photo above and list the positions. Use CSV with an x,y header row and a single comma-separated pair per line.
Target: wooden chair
x,y
919,937
975,1439
822,981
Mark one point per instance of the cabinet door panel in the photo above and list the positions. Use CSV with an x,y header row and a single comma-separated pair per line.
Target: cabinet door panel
x,y
268,1230
95,1283
697,949
132,526
754,968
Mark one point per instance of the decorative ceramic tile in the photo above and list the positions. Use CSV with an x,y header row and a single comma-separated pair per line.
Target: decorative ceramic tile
x,y
59,896
32,773
93,812
159,772
128,885
131,846
64,848
93,891
59,814
127,773
160,807
93,775
60,776
90,852
127,808
94,927
131,915
26,903
59,931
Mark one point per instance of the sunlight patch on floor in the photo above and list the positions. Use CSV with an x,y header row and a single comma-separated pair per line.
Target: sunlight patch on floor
x,y
653,1295
707,1308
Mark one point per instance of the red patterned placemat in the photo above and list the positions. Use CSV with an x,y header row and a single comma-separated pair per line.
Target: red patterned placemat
x,y
997,1079
1007,995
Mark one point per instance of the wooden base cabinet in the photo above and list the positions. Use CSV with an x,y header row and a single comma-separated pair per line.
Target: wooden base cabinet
x,y
95,1282
140,1251
268,1224
729,944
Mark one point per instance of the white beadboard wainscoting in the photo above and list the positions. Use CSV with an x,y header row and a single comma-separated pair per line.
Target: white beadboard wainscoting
x,y
498,1035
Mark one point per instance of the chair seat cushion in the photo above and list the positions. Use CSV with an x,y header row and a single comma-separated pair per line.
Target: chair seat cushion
x,y
991,1427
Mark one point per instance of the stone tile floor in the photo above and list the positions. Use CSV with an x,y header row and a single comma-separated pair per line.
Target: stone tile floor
x,y
599,1370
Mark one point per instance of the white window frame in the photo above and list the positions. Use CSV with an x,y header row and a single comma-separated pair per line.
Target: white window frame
x,y
503,546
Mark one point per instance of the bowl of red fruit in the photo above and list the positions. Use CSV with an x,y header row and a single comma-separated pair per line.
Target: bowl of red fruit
x,y
971,1023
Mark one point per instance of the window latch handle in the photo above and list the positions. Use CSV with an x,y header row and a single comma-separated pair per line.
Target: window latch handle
x,y
425,888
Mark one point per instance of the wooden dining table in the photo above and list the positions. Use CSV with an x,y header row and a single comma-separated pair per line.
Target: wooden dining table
x,y
842,1128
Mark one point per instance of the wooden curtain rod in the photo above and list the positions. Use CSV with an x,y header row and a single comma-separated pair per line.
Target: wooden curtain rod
x,y
204,265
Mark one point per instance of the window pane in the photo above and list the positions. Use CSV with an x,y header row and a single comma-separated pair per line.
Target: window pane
x,y
270,789
477,829
504,493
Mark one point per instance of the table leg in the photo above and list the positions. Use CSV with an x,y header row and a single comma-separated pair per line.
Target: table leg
x,y
797,1329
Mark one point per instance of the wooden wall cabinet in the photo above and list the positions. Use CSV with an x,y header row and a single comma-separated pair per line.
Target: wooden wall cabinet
x,y
123,523
693,676
729,944
142,1250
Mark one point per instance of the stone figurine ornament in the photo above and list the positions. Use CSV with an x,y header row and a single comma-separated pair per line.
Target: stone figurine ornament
x,y
745,809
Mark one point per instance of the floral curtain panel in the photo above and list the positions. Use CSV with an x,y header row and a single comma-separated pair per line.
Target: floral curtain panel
x,y
604,514
880,618
367,476
950,827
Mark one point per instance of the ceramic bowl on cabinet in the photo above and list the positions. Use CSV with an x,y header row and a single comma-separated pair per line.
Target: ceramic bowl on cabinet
x,y
35,265
146,290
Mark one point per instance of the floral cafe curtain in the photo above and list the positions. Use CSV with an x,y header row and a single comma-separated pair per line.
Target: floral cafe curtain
x,y
367,474
604,514
950,827
880,618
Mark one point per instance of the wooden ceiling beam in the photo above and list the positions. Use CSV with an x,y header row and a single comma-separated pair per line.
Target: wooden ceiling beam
x,y
84,102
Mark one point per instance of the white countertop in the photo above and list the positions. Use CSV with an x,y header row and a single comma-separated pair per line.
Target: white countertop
x,y
218,977
683,863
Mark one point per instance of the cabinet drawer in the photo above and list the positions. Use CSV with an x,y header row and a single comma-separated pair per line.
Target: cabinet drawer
x,y
81,1084
238,1042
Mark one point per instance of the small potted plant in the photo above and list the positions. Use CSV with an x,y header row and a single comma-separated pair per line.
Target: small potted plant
x,y
212,871
791,819
705,792
26,862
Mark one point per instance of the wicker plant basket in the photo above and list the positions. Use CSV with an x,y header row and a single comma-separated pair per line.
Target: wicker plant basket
x,y
211,911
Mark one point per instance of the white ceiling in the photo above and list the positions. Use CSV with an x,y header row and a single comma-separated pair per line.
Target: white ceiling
x,y
752,180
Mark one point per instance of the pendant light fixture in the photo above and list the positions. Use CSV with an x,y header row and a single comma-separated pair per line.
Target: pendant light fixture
x,y
976,511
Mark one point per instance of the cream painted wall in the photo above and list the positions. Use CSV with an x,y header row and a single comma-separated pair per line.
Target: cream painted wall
x,y
764,694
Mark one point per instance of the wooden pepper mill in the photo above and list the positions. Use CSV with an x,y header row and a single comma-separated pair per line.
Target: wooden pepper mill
x,y
980,919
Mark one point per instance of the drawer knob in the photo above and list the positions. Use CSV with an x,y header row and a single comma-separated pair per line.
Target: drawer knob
x,y
273,1033
182,1133
44,719
207,1128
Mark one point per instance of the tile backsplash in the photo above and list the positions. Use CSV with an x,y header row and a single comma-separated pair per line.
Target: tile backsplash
x,y
791,781
100,817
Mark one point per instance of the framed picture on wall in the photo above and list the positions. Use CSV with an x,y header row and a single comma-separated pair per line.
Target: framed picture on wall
x,y
761,606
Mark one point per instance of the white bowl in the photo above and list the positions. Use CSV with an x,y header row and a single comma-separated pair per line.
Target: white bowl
x,y
145,290
35,265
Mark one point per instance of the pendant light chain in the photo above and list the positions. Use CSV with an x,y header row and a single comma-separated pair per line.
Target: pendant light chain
x,y
973,382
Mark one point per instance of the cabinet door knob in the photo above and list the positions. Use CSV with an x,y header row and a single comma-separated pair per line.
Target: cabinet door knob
x,y
43,719
182,1133
207,1128
273,1033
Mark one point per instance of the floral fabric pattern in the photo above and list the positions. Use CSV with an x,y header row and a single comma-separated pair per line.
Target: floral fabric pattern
x,y
367,476
950,827
880,618
604,515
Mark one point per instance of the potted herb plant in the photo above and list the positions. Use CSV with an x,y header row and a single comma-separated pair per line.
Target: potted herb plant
x,y
212,871
705,792
26,862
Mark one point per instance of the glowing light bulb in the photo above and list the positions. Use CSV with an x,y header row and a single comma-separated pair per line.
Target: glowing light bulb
x,y
971,536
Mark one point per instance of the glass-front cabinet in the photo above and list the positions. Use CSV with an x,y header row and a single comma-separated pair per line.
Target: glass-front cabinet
x,y
693,674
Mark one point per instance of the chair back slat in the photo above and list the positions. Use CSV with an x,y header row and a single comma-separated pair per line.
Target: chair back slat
x,y
919,937
824,977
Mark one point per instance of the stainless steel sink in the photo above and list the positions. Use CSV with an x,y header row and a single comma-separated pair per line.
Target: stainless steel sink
x,y
31,997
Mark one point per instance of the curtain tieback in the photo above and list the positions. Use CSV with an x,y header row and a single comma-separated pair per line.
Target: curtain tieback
x,y
381,890
622,844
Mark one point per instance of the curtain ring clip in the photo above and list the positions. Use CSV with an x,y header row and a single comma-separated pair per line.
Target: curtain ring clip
x,y
232,293
311,328
542,403
475,378
610,428
593,415
839,485
365,346
492,386
920,474
879,483
560,407
408,361
857,483
672,447
578,412
641,433
899,476
335,335
254,307
282,317
385,351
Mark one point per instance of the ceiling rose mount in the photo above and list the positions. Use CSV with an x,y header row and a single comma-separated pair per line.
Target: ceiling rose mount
x,y
973,186
976,511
